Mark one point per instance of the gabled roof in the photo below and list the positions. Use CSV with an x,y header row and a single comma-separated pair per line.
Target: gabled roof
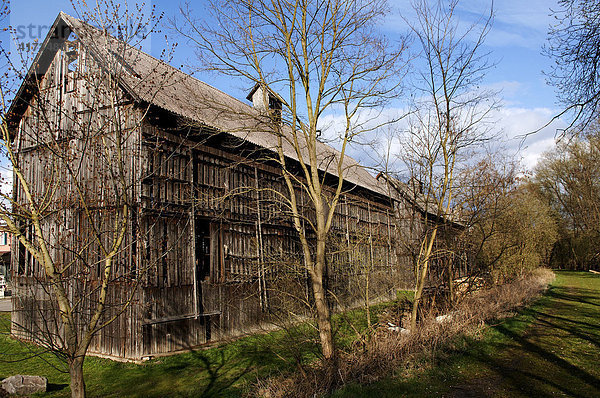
x,y
413,194
409,193
153,81
57,33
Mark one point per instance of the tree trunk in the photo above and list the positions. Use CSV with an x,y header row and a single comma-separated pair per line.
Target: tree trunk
x,y
321,302
76,374
422,275
324,319
450,282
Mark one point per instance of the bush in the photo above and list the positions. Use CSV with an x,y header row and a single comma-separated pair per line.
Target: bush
x,y
524,235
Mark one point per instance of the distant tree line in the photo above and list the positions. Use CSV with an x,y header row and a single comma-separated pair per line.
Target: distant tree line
x,y
568,177
568,181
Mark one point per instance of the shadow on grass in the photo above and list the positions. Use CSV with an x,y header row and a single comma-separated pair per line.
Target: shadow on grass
x,y
222,373
225,371
548,349
545,358
577,294
56,387
530,351
574,323
194,374
581,330
513,381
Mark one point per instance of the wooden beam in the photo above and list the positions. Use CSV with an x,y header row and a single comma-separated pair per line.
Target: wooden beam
x,y
178,318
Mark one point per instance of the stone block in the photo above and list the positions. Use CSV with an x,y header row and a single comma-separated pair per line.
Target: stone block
x,y
24,385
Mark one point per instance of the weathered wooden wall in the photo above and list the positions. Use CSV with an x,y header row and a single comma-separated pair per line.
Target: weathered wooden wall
x,y
209,246
67,145
191,190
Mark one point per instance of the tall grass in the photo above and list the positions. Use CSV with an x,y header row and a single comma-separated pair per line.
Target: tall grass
x,y
387,350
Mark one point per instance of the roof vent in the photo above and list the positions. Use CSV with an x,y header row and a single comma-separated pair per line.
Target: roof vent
x,y
264,99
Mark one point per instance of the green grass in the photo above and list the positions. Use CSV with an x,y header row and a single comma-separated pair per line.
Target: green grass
x,y
226,370
550,348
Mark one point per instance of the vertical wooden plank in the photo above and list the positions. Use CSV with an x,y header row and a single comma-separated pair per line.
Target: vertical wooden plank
x,y
259,244
370,237
221,255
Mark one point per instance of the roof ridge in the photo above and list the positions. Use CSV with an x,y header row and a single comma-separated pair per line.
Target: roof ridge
x,y
178,98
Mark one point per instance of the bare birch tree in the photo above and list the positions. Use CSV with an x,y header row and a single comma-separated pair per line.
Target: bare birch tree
x,y
320,57
448,119
68,138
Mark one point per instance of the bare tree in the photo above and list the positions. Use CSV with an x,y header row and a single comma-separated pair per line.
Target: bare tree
x,y
523,236
68,136
482,197
568,178
448,119
326,57
574,44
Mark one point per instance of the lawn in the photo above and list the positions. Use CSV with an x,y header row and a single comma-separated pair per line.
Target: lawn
x,y
550,348
219,371
225,371
547,349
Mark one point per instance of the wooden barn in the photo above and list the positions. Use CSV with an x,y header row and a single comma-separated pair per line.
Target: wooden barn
x,y
209,250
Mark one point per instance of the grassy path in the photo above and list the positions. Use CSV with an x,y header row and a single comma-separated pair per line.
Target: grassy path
x,y
552,348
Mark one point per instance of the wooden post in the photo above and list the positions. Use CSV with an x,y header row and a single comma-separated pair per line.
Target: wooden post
x,y
371,267
261,271
370,235
221,252
348,230
192,178
389,233
349,276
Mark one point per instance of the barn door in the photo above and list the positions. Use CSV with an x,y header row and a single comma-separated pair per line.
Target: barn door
x,y
203,248
209,251
208,256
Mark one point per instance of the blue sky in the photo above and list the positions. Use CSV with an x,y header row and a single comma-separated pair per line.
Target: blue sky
x,y
515,43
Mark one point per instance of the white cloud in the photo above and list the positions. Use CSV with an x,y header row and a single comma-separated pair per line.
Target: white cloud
x,y
369,147
522,129
507,88
516,22
526,134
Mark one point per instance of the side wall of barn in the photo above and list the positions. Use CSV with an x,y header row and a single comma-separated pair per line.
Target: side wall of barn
x,y
209,252
222,257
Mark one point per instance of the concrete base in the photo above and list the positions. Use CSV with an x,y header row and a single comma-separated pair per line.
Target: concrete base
x,y
5,304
